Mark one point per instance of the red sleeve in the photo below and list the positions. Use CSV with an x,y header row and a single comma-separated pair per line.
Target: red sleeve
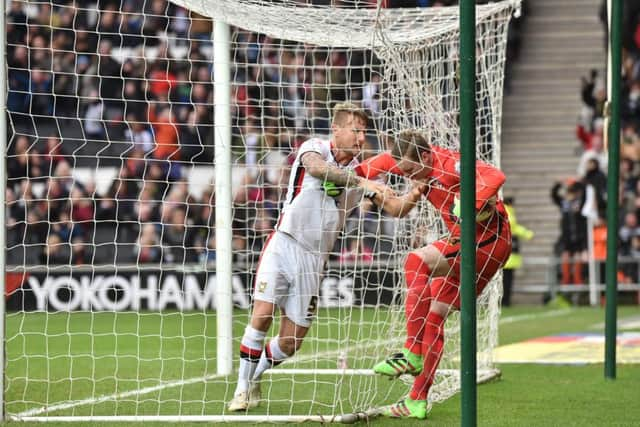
x,y
488,181
374,166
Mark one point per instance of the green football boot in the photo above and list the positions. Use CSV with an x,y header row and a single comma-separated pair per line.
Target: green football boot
x,y
407,408
399,364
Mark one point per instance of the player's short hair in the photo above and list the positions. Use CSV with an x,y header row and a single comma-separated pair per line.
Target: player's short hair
x,y
410,144
344,110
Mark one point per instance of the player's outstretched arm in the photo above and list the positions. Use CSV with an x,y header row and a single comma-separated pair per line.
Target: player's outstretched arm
x,y
400,206
317,167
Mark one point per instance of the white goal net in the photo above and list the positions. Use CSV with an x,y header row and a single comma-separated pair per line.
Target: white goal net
x,y
111,242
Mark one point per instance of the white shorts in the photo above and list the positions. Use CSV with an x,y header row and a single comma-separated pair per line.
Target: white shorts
x,y
289,276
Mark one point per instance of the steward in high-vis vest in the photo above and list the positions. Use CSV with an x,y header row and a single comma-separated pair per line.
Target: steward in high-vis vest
x,y
515,260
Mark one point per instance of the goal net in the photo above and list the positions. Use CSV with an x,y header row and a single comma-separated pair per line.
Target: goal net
x,y
111,241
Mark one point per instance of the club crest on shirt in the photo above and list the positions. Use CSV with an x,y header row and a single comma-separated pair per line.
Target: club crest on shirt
x,y
262,286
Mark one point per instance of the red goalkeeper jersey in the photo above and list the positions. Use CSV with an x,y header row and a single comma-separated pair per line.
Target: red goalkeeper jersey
x,y
444,185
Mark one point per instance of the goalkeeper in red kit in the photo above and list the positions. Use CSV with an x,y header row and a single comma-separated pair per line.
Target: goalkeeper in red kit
x,y
432,272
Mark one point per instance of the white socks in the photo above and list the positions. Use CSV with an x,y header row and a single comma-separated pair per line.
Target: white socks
x,y
250,353
271,356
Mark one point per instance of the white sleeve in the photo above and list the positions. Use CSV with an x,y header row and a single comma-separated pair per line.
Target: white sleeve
x,y
314,145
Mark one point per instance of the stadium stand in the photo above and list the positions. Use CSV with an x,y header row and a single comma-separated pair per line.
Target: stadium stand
x,y
85,67
562,42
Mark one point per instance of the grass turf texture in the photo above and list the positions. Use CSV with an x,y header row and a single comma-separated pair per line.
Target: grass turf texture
x,y
526,395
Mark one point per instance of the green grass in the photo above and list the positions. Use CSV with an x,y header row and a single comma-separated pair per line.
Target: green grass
x,y
43,358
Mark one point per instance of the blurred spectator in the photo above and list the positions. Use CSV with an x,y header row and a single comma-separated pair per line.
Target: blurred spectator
x,y
595,178
18,166
19,97
628,236
177,238
82,210
139,134
94,117
81,251
148,245
596,152
65,229
569,197
56,251
165,133
110,80
53,154
192,139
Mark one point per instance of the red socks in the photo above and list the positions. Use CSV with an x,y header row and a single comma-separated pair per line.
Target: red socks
x,y
417,302
432,346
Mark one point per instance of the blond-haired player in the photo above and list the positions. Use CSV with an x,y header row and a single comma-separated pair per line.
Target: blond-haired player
x,y
292,262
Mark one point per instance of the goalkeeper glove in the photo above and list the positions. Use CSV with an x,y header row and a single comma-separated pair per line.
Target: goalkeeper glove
x,y
480,216
331,189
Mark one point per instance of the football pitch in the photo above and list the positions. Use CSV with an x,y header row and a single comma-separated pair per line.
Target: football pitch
x,y
172,369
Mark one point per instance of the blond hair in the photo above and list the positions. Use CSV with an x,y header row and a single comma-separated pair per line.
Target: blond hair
x,y
410,144
344,110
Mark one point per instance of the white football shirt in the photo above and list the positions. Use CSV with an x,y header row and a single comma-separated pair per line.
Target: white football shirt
x,y
311,217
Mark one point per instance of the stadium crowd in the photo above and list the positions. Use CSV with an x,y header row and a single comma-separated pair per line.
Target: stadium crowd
x,y
108,86
584,195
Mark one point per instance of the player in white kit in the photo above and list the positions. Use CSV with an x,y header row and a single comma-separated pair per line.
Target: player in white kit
x,y
292,262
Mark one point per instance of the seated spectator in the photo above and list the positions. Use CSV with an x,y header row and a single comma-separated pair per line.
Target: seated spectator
x,y
165,133
53,153
82,210
148,245
139,134
191,142
55,251
65,229
18,164
81,251
94,117
177,238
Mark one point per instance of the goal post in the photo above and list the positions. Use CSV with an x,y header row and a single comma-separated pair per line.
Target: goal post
x,y
148,160
224,232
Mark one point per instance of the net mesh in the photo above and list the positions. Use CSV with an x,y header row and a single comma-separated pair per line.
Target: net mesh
x,y
111,243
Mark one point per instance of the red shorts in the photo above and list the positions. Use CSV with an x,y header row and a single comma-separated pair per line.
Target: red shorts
x,y
492,251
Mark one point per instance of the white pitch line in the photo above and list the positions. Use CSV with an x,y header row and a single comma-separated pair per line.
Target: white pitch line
x,y
105,398
172,384
521,317
169,384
